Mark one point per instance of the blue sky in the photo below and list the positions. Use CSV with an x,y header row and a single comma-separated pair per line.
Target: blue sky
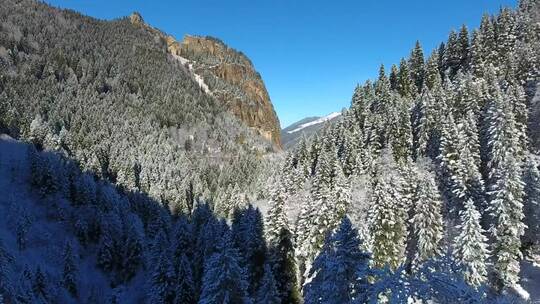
x,y
310,53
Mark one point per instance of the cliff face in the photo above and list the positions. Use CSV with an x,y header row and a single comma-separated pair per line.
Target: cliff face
x,y
227,75
232,79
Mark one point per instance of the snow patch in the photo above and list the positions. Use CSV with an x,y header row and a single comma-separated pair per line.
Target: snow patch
x,y
316,122
521,292
198,78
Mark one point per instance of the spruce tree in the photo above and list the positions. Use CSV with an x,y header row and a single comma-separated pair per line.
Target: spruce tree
x,y
339,273
248,236
463,40
268,292
184,285
388,226
477,63
470,246
416,63
427,220
531,202
70,273
162,280
224,279
505,190
6,260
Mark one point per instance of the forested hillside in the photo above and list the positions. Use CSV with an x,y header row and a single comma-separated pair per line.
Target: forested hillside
x,y
108,94
436,162
127,182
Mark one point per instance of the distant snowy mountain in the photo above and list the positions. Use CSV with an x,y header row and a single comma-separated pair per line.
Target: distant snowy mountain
x,y
305,127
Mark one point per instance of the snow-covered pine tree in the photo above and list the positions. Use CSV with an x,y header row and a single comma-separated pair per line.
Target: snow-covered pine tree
x,y
405,84
40,286
451,166
531,203
6,260
477,63
417,66
452,58
393,77
248,236
518,100
387,225
268,292
340,271
402,133
505,189
162,281
184,286
470,246
224,279
489,46
427,221
70,272
463,41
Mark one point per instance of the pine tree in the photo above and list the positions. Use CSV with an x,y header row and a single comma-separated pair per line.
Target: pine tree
x,y
224,279
477,63
470,246
505,190
40,285
184,291
70,273
416,62
531,202
452,169
162,280
405,84
393,77
463,40
402,140
388,226
248,235
281,249
488,40
339,273
427,220
452,58
268,292
6,260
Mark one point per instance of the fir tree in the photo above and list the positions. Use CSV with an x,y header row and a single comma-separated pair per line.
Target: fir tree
x,y
184,291
416,63
463,41
268,292
248,235
388,226
224,279
162,280
70,273
505,190
6,260
427,220
339,273
470,246
281,249
531,202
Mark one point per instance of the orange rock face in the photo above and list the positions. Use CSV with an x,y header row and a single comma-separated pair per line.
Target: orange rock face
x,y
233,81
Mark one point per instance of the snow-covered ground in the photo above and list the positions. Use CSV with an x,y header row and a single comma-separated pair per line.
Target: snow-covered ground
x,y
47,234
316,122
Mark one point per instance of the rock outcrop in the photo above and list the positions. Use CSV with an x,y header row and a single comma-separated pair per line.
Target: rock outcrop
x,y
232,79
227,75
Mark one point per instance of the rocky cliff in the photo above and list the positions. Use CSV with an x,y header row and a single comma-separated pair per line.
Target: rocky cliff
x,y
227,75
232,79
